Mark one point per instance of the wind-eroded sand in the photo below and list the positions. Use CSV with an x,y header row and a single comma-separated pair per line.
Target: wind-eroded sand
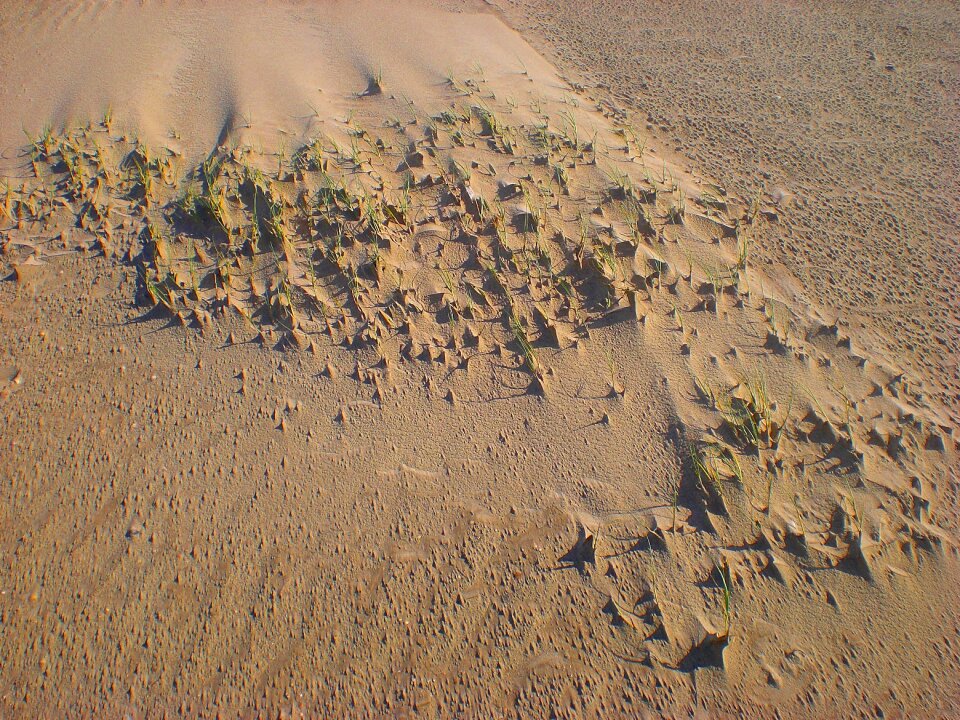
x,y
355,362
847,108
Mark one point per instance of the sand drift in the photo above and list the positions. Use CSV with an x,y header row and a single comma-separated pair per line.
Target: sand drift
x,y
408,197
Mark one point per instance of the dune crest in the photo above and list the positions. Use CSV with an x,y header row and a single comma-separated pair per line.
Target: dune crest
x,y
185,73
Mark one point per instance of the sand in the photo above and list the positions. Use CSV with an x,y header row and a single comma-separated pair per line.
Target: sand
x,y
845,110
395,362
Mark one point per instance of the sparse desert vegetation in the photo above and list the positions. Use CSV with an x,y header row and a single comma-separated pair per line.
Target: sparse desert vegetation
x,y
452,392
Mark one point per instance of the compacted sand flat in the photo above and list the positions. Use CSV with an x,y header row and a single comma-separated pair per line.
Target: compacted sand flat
x,y
501,359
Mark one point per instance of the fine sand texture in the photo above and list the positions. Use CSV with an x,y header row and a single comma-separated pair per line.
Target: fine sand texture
x,y
384,360
845,113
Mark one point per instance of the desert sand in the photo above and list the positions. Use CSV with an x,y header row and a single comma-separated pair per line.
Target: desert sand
x,y
495,359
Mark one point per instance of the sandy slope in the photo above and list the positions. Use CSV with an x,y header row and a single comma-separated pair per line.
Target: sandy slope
x,y
301,462
848,109
174,68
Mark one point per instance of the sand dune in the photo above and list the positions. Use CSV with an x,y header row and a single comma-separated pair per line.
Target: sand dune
x,y
354,361
198,72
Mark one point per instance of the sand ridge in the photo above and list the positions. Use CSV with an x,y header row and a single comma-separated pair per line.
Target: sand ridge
x,y
454,396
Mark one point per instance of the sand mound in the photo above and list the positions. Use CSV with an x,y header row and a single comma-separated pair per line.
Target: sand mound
x,y
184,76
486,396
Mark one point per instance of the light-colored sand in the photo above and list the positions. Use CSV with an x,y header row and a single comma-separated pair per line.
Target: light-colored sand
x,y
847,109
170,69
288,453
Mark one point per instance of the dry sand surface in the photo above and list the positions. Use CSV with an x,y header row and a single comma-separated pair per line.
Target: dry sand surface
x,y
849,111
379,360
